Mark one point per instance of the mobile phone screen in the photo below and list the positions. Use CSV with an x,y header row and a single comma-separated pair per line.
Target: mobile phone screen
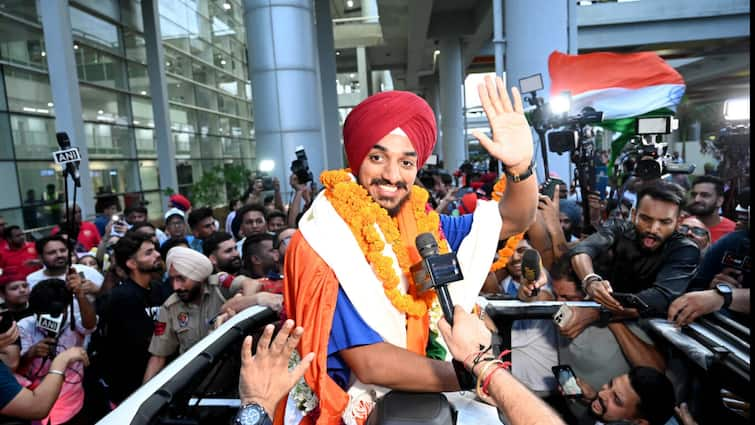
x,y
567,380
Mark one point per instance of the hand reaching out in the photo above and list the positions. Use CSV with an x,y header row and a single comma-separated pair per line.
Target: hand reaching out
x,y
264,377
512,136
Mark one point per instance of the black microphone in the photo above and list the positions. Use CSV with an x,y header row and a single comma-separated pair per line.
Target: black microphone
x,y
531,268
72,169
436,271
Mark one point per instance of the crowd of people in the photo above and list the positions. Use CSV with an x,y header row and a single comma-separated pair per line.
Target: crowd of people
x,y
97,315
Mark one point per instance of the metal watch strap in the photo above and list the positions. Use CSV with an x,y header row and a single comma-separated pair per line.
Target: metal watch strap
x,y
726,294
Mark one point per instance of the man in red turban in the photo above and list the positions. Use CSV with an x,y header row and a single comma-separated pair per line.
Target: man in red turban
x,y
345,283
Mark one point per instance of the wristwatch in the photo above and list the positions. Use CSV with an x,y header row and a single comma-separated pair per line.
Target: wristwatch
x,y
725,291
252,414
516,178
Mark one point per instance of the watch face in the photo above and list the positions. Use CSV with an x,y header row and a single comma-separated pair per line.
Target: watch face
x,y
252,414
724,289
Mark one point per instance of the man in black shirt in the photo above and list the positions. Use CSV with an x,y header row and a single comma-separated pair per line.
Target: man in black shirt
x,y
129,316
645,257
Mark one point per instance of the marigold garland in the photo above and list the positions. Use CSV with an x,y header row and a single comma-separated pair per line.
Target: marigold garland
x,y
355,206
505,253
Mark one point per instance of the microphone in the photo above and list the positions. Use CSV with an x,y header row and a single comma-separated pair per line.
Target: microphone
x,y
71,169
436,271
531,268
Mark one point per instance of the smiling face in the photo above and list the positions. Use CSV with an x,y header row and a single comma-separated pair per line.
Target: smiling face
x,y
388,172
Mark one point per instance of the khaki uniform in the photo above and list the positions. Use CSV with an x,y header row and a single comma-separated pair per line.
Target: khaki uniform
x,y
180,325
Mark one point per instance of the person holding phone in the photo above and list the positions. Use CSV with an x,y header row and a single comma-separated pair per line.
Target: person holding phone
x,y
643,396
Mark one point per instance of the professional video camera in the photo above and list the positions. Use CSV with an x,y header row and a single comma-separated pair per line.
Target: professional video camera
x,y
646,158
300,167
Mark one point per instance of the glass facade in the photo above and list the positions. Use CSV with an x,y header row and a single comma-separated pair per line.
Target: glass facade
x,y
208,89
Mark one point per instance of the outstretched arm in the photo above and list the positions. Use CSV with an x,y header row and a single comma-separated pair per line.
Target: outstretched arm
x,y
512,145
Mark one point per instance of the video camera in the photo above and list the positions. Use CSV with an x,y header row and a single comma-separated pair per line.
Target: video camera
x,y
646,158
300,167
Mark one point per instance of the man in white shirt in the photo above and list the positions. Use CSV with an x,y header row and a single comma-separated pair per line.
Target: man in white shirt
x,y
53,251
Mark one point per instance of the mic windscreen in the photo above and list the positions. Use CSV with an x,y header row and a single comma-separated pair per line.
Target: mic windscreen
x,y
426,244
63,141
531,265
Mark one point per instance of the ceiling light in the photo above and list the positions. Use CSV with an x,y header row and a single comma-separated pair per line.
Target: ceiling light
x,y
136,122
352,75
349,3
227,6
75,47
49,104
222,62
167,63
100,112
143,92
338,53
44,53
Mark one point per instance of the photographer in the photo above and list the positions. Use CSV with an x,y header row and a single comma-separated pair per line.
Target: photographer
x,y
22,403
52,330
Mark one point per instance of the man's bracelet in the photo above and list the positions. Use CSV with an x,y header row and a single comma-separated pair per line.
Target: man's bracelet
x,y
591,277
56,372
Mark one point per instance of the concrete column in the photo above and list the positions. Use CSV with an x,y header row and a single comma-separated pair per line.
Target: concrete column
x,y
529,41
333,157
64,83
166,150
287,103
363,73
451,103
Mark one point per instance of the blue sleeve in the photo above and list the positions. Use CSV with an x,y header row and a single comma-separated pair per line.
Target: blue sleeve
x,y
735,242
348,330
9,387
456,228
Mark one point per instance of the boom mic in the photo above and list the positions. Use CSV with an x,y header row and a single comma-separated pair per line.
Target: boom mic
x,y
436,271
71,169
531,268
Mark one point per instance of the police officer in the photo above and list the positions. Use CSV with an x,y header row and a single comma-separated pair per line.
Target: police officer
x,y
185,316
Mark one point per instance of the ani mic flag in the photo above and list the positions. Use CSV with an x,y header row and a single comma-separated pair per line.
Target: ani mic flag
x,y
618,84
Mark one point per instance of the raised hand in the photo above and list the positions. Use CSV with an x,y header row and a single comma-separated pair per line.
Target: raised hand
x,y
512,137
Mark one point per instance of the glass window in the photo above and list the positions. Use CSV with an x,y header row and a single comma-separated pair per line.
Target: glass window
x,y
6,148
9,197
173,34
108,141
176,11
136,47
97,67
207,122
183,143
24,9
145,142
138,79
228,83
131,15
211,147
21,43
182,119
17,217
227,105
43,182
95,30
28,91
104,105
153,201
177,63
33,137
108,8
142,110
180,91
206,98
231,147
201,50
118,176
203,73
150,175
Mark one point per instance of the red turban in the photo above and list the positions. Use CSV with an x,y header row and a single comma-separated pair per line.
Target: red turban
x,y
380,114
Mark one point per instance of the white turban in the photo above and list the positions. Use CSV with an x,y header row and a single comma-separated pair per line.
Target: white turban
x,y
189,263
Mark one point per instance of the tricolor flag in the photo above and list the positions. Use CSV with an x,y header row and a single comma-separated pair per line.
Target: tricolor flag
x,y
618,84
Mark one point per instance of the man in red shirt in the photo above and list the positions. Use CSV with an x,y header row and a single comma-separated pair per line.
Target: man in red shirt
x,y
19,257
89,236
705,198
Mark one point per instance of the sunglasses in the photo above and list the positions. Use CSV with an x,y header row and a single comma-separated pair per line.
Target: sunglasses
x,y
697,231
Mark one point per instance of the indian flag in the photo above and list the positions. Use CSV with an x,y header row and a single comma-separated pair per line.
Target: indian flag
x,y
618,84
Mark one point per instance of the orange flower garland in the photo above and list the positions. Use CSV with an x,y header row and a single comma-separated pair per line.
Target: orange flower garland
x,y
505,253
355,206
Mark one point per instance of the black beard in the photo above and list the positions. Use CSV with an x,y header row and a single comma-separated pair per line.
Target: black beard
x,y
155,268
399,184
643,235
190,295
395,210
700,210
231,267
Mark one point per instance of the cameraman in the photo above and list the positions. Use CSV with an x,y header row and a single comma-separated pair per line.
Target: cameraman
x,y
22,403
50,300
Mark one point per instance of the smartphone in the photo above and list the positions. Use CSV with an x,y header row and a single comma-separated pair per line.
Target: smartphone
x,y
563,316
567,380
630,301
549,187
